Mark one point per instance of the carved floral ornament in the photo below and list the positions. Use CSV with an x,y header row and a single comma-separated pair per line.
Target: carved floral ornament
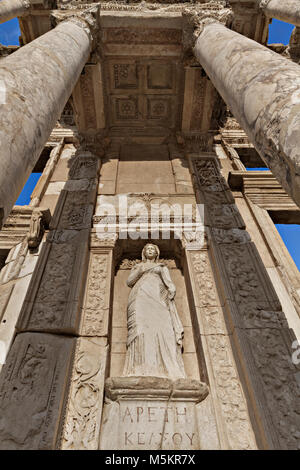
x,y
87,18
194,21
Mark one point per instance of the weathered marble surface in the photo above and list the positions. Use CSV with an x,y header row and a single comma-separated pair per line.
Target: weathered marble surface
x,y
155,331
84,407
262,90
9,9
32,387
287,10
38,79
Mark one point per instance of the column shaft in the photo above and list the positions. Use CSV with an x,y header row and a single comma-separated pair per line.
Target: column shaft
x,y
10,9
284,10
262,90
36,82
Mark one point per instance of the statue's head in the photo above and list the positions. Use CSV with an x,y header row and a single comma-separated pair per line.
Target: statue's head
x,y
151,252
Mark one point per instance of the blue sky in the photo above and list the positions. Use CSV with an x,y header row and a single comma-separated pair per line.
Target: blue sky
x,y
279,32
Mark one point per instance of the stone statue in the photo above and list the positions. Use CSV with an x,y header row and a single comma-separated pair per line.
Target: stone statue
x,y
155,332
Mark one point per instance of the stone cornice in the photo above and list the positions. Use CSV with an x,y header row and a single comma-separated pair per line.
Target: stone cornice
x,y
144,6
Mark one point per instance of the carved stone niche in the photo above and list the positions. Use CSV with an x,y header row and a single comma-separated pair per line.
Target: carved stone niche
x,y
142,413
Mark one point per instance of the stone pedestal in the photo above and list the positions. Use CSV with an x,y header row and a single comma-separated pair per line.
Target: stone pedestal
x,y
151,413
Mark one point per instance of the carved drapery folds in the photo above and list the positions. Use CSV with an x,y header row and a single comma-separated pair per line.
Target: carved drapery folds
x,y
253,315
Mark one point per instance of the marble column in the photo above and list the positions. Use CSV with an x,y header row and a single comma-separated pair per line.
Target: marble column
x,y
36,82
284,10
262,89
10,9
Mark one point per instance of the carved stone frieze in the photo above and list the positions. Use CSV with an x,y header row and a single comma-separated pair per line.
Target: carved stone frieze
x,y
272,354
85,165
32,387
84,408
234,235
52,300
248,280
142,36
103,240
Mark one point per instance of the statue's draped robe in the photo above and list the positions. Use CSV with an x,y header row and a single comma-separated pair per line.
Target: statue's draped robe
x,y
154,328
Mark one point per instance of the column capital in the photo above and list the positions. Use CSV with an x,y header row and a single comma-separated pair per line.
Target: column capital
x,y
87,18
195,19
262,4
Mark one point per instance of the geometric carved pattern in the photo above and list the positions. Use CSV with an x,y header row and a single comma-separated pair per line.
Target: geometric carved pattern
x,y
127,108
158,108
125,76
153,91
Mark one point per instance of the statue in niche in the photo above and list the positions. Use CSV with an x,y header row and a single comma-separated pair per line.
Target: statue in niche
x,y
155,332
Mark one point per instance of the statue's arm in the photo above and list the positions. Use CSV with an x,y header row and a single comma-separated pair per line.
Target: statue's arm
x,y
134,275
168,282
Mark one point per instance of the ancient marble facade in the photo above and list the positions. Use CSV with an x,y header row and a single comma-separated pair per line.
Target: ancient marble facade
x,y
149,104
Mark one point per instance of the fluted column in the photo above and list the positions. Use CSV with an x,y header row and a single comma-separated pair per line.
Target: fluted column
x,y
10,9
36,82
262,89
284,10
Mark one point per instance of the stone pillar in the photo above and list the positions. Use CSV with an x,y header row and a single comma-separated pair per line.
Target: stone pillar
x,y
256,327
49,324
262,89
9,9
37,81
287,10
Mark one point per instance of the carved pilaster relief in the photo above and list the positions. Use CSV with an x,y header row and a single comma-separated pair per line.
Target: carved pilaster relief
x,y
51,303
32,387
278,381
84,407
253,313
96,306
230,405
